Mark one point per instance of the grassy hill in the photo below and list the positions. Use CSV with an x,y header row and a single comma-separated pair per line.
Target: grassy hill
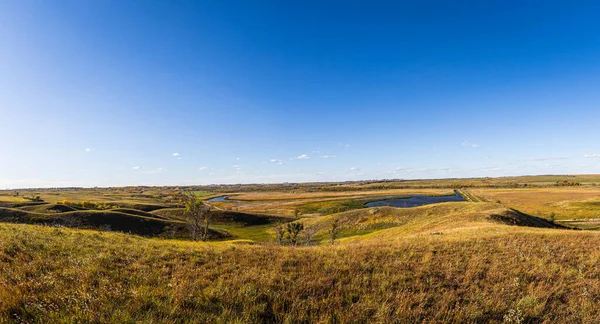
x,y
527,275
50,208
438,219
480,261
219,216
105,220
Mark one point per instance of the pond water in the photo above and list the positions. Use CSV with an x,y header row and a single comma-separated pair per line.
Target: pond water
x,y
416,200
221,199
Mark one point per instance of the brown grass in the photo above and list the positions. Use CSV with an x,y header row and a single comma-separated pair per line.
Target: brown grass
x,y
58,275
451,262
566,203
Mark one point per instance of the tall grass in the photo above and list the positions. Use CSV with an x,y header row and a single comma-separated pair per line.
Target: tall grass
x,y
62,275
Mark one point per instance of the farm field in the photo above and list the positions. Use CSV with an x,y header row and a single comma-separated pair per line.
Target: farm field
x,y
525,252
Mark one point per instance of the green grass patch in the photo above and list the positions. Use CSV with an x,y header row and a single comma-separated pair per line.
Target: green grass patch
x,y
331,206
201,193
342,205
257,233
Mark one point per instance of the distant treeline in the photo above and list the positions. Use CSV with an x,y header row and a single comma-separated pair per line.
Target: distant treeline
x,y
171,194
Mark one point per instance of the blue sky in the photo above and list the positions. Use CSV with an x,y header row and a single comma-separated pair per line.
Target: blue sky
x,y
102,93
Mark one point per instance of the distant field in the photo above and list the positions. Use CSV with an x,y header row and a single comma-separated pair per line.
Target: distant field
x,y
12,200
563,203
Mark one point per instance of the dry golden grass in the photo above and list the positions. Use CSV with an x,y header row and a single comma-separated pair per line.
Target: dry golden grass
x,y
565,203
60,275
450,262
388,223
12,199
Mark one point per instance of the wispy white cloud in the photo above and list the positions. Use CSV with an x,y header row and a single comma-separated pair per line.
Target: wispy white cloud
x,y
175,154
466,143
275,161
592,156
353,169
137,167
302,157
239,169
328,156
88,149
548,159
202,168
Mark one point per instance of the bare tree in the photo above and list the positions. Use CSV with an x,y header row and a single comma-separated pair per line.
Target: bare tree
x,y
310,232
197,215
280,233
293,230
334,230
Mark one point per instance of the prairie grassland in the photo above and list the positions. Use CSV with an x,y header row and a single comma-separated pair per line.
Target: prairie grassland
x,y
286,203
387,223
450,262
536,181
12,200
527,275
123,197
564,203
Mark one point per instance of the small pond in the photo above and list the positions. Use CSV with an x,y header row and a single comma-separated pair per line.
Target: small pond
x,y
221,199
416,200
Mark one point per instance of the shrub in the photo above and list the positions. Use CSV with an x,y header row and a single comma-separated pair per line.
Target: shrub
x,y
293,229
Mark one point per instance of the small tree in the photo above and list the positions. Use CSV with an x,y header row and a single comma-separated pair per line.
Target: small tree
x,y
293,230
310,232
334,230
280,233
197,215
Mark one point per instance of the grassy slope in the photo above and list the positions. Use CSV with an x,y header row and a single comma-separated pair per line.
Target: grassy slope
x,y
172,213
254,227
49,208
538,274
565,203
437,218
452,262
113,220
